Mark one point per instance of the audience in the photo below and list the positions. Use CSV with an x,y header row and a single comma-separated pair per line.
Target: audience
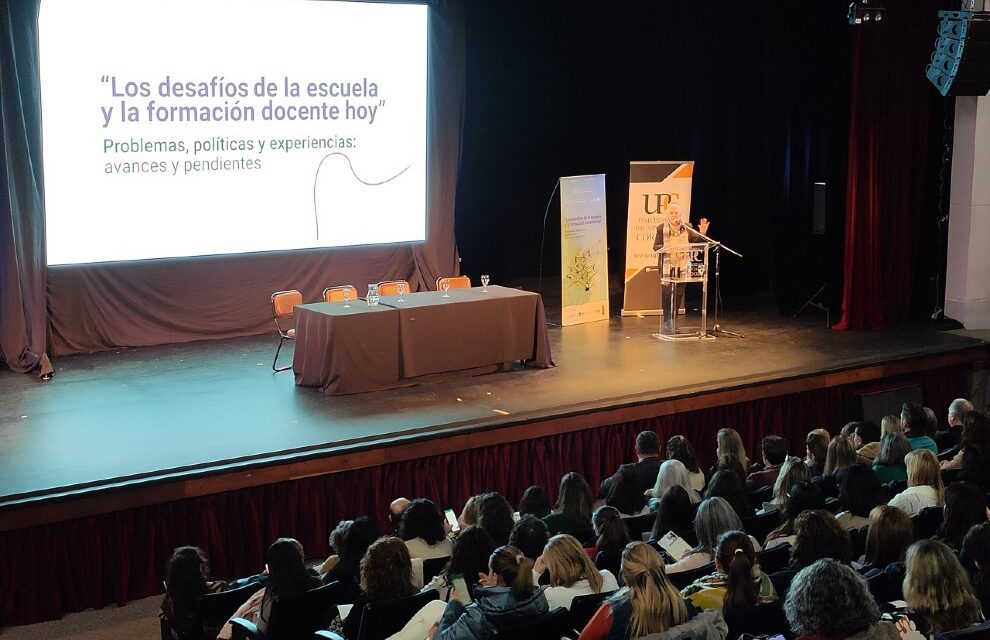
x,y
469,558
965,507
187,579
737,583
714,518
889,463
973,458
804,496
571,572
506,596
535,502
937,589
728,485
679,448
859,492
816,449
529,535
386,574
888,538
824,597
890,424
674,513
976,549
793,471
624,494
611,533
395,510
924,479
672,473
828,599
494,516
915,423
350,541
729,444
774,450
958,410
287,576
867,442
647,463
422,529
572,513
648,603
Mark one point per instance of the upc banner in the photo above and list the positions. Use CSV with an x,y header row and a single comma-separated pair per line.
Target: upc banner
x,y
652,187
583,245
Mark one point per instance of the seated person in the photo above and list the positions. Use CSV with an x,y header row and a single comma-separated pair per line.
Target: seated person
x,y
424,530
866,439
937,590
915,423
949,439
774,450
529,535
349,541
571,572
648,603
859,491
714,518
386,574
647,463
186,581
572,513
737,582
924,488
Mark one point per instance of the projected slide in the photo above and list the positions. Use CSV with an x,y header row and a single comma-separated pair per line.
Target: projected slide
x,y
226,126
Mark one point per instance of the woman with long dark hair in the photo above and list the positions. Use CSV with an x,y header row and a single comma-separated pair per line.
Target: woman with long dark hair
x,y
187,579
468,558
572,513
422,529
965,507
287,576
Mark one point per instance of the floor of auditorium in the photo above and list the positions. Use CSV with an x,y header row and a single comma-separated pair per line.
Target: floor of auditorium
x,y
145,415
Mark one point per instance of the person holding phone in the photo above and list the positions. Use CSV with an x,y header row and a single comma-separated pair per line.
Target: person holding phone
x,y
506,595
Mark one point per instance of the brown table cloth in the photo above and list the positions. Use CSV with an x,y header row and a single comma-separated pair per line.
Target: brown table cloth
x,y
422,337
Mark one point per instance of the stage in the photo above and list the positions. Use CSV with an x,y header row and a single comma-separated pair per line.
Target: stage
x,y
139,417
126,454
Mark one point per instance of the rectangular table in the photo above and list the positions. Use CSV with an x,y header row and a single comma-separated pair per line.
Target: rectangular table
x,y
425,336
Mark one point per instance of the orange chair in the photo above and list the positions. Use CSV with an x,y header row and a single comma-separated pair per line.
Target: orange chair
x,y
283,308
336,294
456,282
391,287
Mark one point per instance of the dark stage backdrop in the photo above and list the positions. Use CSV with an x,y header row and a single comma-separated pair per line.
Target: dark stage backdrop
x,y
154,302
756,93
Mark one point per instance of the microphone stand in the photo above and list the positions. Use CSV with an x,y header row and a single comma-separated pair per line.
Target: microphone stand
x,y
717,248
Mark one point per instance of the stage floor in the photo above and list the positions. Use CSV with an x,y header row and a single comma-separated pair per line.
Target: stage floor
x,y
134,416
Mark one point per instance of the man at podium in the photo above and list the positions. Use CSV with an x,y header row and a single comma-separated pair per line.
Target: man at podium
x,y
674,231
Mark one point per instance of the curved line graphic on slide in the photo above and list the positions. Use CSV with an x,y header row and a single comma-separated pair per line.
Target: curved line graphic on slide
x,y
316,213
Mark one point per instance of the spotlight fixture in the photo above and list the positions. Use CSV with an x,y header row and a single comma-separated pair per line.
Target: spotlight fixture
x,y
862,13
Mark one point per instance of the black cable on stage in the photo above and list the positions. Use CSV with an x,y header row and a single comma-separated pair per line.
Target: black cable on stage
x,y
543,237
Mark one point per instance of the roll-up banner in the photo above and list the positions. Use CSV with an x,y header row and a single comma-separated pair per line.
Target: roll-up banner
x,y
583,250
652,187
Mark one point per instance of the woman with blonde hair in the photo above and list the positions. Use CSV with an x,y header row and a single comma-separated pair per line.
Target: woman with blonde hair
x,y
937,589
793,471
648,604
816,450
571,572
891,424
840,454
924,477
728,442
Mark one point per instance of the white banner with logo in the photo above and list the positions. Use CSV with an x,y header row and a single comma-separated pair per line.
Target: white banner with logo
x,y
583,250
652,187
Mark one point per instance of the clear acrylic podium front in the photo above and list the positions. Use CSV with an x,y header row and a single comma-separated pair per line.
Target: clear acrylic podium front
x,y
683,267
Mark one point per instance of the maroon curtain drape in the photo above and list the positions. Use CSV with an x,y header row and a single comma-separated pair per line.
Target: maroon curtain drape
x,y
890,164
50,570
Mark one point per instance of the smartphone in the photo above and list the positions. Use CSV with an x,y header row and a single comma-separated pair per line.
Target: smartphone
x,y
452,519
462,590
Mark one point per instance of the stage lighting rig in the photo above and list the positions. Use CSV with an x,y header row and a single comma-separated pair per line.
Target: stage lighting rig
x,y
864,12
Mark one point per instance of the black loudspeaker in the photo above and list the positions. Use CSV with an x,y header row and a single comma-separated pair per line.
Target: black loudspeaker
x,y
819,209
884,403
960,65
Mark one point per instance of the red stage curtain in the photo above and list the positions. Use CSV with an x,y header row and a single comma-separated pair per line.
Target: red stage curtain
x,y
51,570
890,164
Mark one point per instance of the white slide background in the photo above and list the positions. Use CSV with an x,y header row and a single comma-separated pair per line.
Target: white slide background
x,y
225,184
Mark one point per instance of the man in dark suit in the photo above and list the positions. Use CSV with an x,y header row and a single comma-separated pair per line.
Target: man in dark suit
x,y
647,464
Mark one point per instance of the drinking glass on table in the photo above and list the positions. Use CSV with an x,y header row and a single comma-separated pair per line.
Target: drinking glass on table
x,y
347,297
446,288
484,283
402,291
